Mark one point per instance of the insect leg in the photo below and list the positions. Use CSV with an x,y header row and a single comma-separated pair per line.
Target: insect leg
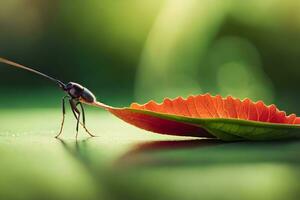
x,y
83,119
63,119
76,113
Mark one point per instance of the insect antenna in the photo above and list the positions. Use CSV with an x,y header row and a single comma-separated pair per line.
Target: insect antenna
x,y
11,63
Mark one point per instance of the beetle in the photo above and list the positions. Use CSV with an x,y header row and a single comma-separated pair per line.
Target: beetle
x,y
75,93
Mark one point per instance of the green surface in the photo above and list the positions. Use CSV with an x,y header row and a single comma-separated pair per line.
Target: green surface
x,y
127,163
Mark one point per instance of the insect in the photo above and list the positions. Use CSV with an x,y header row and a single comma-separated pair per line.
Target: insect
x,y
75,93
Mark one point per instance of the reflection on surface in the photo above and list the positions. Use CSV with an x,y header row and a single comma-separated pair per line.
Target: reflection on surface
x,y
177,144
210,152
161,146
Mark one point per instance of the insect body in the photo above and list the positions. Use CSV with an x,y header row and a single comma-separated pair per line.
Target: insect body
x,y
76,94
78,91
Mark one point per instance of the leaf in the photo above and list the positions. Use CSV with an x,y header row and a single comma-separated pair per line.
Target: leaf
x,y
209,116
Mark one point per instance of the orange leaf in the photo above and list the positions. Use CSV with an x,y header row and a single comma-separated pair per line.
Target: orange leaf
x,y
209,116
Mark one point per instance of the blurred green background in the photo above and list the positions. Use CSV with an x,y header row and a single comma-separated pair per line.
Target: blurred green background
x,y
131,50
142,50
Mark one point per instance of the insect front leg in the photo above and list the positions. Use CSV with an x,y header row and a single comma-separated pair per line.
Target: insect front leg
x,y
83,119
63,119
